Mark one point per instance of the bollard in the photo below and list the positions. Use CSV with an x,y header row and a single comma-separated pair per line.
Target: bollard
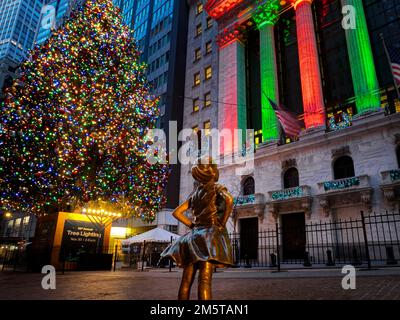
x,y
307,262
390,259
330,262
273,261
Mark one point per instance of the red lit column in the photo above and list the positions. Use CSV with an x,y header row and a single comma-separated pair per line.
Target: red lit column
x,y
232,89
311,84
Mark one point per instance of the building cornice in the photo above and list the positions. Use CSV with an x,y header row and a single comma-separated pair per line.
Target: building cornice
x,y
361,126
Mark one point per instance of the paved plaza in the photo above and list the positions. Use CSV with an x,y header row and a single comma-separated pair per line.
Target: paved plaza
x,y
231,284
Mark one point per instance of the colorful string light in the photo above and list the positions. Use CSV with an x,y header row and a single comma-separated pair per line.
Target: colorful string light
x,y
72,126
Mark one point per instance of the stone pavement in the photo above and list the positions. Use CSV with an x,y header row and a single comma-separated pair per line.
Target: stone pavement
x,y
230,284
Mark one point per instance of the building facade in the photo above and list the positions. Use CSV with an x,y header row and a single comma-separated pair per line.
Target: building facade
x,y
302,55
24,24
19,20
160,29
53,14
201,81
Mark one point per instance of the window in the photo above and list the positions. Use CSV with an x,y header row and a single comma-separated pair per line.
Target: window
x,y
195,129
196,79
207,100
208,47
343,168
291,178
9,230
199,8
248,187
16,230
198,29
197,54
196,106
208,73
207,127
209,22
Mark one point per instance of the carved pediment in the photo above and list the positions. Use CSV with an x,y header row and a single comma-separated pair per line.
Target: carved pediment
x,y
289,164
343,151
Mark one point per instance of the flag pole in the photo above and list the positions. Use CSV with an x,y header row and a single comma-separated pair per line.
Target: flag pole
x,y
390,64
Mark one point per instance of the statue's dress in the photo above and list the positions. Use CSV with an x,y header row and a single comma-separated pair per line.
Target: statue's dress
x,y
208,240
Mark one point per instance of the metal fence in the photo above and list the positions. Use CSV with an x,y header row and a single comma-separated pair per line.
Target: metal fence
x,y
370,240
138,256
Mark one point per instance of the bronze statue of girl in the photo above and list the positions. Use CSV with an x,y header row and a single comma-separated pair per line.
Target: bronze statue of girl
x,y
207,244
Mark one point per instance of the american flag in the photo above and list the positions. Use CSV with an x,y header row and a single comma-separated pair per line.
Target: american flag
x,y
394,54
290,124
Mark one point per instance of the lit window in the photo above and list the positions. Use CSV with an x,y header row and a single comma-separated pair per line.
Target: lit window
x,y
207,100
207,127
208,47
198,29
197,54
199,8
209,22
196,106
208,73
196,79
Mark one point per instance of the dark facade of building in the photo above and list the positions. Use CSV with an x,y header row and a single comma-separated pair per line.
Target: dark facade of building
x,y
160,28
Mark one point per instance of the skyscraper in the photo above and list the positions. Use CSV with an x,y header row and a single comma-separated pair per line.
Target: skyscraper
x,y
160,28
19,20
52,16
24,23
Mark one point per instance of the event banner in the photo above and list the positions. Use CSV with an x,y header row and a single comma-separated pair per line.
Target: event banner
x,y
81,237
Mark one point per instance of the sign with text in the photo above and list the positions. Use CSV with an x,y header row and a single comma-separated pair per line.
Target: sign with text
x,y
80,237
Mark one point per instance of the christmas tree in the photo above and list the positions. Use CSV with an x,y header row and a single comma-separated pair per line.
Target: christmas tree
x,y
72,125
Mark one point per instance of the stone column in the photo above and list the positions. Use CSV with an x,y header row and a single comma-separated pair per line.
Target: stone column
x,y
265,18
365,82
232,109
311,84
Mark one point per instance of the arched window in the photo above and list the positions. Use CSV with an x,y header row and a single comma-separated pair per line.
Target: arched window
x,y
291,178
398,156
343,168
248,187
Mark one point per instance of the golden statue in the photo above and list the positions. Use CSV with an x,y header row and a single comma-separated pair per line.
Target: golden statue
x,y
207,244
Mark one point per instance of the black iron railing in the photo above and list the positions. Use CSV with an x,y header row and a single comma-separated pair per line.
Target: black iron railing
x,y
370,240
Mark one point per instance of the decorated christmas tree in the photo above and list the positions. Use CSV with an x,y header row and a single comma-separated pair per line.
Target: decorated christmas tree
x,y
73,124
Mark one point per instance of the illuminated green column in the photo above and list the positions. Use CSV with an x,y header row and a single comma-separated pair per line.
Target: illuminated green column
x,y
265,18
365,82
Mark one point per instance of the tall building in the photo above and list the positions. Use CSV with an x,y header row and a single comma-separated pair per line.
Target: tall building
x,y
305,56
53,14
201,81
160,28
23,24
19,20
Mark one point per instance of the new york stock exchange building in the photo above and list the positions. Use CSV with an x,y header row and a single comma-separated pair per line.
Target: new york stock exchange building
x,y
331,195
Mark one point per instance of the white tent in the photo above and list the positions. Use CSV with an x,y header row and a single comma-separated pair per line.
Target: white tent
x,y
154,235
